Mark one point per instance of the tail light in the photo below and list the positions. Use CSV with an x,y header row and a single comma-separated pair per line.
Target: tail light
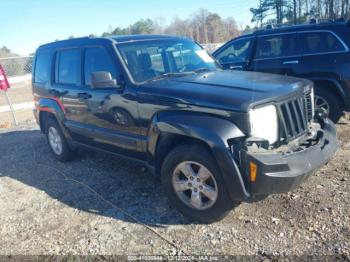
x,y
4,83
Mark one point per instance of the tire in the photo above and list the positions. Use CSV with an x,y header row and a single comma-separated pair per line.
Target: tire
x,y
332,102
214,208
61,151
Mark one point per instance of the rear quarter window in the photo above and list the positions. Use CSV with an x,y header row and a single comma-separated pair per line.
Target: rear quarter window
x,y
320,42
42,68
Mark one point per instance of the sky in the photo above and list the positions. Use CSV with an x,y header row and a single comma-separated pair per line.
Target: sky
x,y
26,24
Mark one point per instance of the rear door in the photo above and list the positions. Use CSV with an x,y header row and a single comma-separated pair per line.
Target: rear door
x,y
67,83
236,54
321,53
276,54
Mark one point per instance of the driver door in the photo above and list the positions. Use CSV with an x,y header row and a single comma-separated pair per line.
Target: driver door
x,y
236,54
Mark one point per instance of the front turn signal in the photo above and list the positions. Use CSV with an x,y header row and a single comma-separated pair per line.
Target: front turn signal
x,y
253,169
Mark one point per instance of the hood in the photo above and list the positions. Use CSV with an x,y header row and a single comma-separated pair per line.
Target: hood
x,y
234,90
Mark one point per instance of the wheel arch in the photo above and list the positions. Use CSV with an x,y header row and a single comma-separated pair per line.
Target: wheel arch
x,y
169,130
334,85
53,108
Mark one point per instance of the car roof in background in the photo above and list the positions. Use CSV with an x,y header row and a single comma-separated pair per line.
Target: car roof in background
x,y
296,28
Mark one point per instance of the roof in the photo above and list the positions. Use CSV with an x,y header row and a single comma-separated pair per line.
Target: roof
x,y
131,38
95,40
295,28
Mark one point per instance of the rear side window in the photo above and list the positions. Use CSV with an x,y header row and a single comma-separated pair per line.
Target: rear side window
x,y
276,46
97,59
42,68
236,52
67,67
320,42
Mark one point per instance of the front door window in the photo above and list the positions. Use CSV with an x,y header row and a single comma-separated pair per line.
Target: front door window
x,y
237,52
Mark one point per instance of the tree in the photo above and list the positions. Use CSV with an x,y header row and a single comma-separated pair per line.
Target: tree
x,y
203,26
213,22
299,11
265,7
142,27
260,13
5,52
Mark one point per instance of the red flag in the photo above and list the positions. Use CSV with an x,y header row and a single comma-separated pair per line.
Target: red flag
x,y
4,83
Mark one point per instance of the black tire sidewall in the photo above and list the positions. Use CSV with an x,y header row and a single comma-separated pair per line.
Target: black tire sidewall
x,y
333,102
200,155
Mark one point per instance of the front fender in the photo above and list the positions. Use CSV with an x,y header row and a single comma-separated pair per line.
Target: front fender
x,y
213,131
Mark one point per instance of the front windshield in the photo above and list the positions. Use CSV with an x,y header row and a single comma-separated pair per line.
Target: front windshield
x,y
152,59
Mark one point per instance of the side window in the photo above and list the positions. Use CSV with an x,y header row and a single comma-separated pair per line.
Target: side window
x,y
236,52
319,42
97,59
42,68
67,67
276,46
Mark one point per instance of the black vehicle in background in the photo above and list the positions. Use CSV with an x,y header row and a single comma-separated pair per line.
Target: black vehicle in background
x,y
315,51
215,137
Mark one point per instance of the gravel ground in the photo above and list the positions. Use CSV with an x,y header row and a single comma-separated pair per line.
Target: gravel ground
x,y
99,204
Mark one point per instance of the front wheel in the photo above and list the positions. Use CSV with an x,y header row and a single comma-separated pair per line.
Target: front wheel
x,y
194,184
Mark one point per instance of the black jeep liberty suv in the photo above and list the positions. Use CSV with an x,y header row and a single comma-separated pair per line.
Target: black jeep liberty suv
x,y
215,137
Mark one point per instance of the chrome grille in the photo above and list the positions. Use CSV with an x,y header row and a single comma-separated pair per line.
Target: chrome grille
x,y
294,116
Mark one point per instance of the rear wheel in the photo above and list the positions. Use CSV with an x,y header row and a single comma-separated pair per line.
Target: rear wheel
x,y
328,100
194,184
57,141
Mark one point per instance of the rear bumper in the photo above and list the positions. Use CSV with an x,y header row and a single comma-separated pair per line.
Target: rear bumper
x,y
282,172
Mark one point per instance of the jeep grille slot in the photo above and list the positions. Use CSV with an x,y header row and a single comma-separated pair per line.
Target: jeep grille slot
x,y
308,101
294,116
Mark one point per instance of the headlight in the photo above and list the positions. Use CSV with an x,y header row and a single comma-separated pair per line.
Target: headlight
x,y
264,123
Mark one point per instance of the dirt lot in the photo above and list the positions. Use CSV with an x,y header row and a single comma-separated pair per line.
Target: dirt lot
x,y
105,205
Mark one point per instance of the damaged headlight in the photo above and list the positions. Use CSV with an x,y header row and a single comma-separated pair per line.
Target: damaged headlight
x,y
264,123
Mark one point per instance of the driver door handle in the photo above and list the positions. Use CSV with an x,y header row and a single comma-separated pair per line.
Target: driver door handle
x,y
293,62
84,95
57,93
236,67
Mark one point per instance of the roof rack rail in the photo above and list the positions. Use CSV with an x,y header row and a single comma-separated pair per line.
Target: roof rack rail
x,y
312,21
327,20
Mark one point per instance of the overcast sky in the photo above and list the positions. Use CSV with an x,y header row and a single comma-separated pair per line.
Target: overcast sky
x,y
27,24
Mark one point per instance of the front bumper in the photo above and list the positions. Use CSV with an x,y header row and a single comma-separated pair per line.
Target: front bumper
x,y
280,172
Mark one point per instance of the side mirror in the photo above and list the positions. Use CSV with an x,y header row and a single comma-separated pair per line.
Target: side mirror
x,y
103,79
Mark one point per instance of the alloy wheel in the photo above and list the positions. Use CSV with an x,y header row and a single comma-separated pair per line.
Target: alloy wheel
x,y
55,140
320,102
195,185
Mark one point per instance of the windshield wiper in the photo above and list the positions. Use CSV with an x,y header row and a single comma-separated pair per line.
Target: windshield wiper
x,y
201,70
170,74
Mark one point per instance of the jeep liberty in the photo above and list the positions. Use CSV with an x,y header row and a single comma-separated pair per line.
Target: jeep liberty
x,y
216,138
